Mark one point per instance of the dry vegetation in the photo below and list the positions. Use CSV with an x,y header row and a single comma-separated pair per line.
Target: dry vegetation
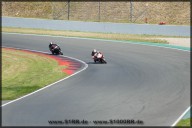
x,y
113,11
110,36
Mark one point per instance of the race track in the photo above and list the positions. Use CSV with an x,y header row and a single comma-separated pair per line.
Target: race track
x,y
139,82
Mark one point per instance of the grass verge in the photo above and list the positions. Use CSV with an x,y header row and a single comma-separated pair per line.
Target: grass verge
x,y
111,36
184,123
23,73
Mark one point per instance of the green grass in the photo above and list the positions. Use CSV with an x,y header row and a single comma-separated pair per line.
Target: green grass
x,y
184,122
23,73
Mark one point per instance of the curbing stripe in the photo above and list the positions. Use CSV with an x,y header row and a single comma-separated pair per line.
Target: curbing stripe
x,y
186,49
86,65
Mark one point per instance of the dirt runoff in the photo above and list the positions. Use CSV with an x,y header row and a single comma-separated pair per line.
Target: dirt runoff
x,y
185,42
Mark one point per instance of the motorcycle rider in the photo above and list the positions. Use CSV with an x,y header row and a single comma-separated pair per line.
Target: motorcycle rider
x,y
52,46
95,53
98,56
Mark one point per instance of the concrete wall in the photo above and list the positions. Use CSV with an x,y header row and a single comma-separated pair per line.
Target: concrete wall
x,y
123,28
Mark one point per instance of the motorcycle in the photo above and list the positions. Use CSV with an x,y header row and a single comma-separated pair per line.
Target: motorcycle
x,y
100,58
56,50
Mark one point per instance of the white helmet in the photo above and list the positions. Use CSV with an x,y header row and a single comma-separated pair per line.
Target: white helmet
x,y
94,50
51,43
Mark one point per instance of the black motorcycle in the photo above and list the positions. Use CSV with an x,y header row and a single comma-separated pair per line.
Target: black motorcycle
x,y
56,50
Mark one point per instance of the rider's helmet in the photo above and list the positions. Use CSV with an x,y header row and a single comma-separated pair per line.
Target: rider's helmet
x,y
94,50
51,43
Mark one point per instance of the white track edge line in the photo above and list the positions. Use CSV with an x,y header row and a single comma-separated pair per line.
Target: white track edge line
x,y
86,65
181,116
124,42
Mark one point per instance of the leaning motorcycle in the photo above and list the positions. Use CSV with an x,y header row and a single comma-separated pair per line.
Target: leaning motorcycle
x,y
56,50
100,58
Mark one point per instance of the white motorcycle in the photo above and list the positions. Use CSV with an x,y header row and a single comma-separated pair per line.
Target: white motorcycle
x,y
99,57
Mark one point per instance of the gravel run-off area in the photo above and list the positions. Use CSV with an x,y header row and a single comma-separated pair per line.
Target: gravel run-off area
x,y
185,42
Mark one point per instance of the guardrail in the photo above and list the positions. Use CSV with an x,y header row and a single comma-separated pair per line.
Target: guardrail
x,y
104,27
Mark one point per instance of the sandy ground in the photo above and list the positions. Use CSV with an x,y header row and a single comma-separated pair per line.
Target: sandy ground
x,y
185,42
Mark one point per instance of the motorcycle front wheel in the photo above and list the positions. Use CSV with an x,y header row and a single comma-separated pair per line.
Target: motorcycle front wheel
x,y
61,53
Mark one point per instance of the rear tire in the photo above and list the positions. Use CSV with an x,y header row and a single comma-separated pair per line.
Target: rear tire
x,y
103,61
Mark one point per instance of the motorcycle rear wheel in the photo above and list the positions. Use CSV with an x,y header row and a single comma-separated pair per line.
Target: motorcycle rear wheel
x,y
61,53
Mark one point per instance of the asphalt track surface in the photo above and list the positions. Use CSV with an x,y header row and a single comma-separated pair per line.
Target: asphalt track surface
x,y
139,82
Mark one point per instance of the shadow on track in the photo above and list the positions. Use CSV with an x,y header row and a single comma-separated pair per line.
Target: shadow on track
x,y
94,63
